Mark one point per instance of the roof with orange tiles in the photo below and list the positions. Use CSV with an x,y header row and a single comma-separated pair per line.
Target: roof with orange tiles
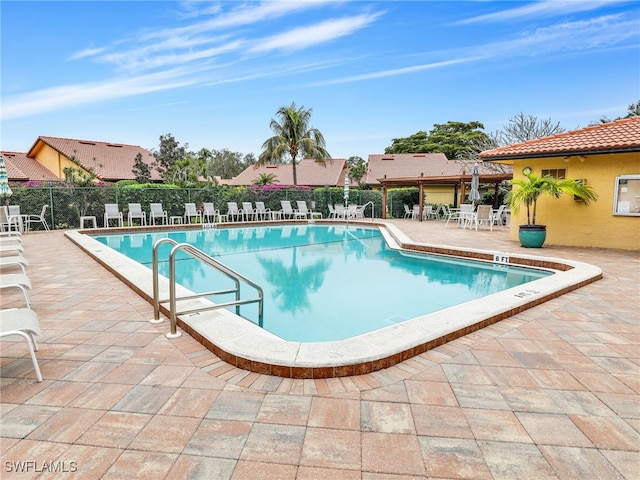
x,y
309,172
411,165
21,168
110,161
613,137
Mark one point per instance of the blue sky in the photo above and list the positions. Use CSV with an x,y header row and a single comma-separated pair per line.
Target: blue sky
x,y
213,74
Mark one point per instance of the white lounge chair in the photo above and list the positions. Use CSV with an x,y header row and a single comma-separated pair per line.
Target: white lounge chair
x,y
210,213
304,210
233,212
11,248
111,212
38,218
24,323
156,211
248,212
190,211
136,213
17,280
262,212
287,210
14,261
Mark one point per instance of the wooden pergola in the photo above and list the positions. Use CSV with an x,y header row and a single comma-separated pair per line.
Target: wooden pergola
x,y
456,180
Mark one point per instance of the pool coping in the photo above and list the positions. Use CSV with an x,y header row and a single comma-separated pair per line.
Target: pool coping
x,y
245,345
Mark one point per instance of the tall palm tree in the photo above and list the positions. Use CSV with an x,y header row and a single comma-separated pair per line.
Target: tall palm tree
x,y
293,137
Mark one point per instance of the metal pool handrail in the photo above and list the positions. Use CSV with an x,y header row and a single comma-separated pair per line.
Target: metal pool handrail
x,y
206,259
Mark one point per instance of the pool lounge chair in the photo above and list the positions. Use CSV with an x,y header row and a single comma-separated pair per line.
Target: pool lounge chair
x,y
135,212
11,248
303,210
190,211
111,212
14,261
210,213
233,212
287,210
156,211
17,280
24,323
248,212
262,212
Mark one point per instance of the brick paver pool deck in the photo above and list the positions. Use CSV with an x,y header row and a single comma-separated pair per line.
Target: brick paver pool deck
x,y
553,392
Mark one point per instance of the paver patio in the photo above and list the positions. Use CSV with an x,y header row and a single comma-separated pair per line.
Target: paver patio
x,y
553,392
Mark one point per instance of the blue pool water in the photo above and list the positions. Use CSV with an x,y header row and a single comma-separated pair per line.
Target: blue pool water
x,y
325,282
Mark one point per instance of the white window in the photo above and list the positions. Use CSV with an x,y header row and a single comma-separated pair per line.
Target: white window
x,y
627,195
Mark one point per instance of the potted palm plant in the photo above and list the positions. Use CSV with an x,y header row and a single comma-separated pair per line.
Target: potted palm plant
x,y
530,189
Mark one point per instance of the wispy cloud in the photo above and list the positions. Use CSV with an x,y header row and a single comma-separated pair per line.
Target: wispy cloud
x,y
323,32
544,9
596,33
50,99
397,71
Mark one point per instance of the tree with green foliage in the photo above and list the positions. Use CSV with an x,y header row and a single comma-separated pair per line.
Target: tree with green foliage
x,y
357,169
141,170
534,186
168,155
633,110
188,171
225,163
450,138
265,179
293,137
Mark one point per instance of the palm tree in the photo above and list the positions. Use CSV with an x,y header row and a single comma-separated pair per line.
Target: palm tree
x,y
293,137
531,189
265,179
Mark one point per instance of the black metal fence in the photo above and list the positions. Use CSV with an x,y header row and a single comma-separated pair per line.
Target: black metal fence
x,y
68,204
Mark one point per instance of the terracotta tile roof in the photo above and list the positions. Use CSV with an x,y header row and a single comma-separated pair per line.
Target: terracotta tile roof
x,y
621,135
21,168
309,172
411,165
110,161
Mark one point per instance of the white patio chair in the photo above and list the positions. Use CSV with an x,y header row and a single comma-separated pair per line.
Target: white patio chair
x,y
111,212
304,210
341,211
248,211
13,218
190,211
415,212
17,280
262,212
407,211
156,211
135,212
484,217
498,216
233,212
332,210
210,213
38,218
24,323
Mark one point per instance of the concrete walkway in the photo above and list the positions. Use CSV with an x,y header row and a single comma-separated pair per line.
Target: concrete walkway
x,y
552,392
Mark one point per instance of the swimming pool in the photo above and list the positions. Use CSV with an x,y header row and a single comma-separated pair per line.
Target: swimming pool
x,y
243,344
325,282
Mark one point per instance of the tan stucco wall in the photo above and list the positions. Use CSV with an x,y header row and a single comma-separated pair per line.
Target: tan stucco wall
x,y
572,223
439,194
53,160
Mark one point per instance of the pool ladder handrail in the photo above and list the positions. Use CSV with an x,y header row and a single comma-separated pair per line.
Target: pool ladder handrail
x,y
362,208
206,259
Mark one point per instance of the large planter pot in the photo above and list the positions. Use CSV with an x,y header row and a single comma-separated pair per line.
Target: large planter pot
x,y
532,236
